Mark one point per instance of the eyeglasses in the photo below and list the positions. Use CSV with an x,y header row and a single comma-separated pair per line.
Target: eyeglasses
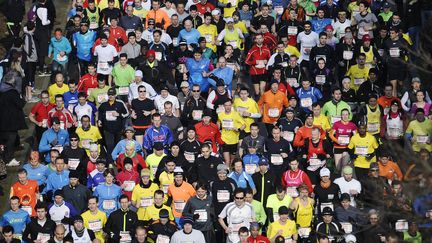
x,y
74,139
239,198
196,90
142,91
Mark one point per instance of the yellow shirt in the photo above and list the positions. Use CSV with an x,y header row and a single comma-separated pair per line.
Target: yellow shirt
x,y
357,76
152,213
250,106
322,121
292,50
95,222
54,90
165,180
304,214
228,122
104,4
362,147
145,198
420,131
210,34
229,11
88,137
153,161
242,26
142,13
288,230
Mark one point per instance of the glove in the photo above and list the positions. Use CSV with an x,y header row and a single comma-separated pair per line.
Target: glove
x,y
228,5
120,41
111,63
53,143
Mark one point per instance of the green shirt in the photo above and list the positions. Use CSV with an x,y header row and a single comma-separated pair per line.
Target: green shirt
x,y
259,212
385,16
419,132
333,111
274,203
123,76
99,96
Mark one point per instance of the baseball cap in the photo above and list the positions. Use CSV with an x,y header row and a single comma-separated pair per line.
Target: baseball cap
x,y
327,211
178,171
182,42
263,161
386,5
145,172
215,11
129,128
184,84
415,79
112,91
138,73
347,170
229,20
222,168
374,166
324,172
151,21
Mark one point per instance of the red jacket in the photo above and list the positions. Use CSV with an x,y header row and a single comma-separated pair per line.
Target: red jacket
x,y
209,132
138,162
87,82
286,89
258,239
254,56
270,41
131,176
119,33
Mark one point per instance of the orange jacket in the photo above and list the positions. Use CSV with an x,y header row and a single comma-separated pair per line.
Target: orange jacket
x,y
160,16
303,133
26,193
390,170
270,100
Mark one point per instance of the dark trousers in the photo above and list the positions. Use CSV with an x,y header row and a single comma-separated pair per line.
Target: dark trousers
x,y
38,136
111,139
42,38
361,173
8,139
83,64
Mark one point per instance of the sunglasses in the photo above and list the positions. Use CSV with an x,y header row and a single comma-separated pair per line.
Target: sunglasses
x,y
142,91
195,90
239,198
74,139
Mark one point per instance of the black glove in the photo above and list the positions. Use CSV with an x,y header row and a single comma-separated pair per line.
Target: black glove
x,y
111,63
54,142
120,41
228,5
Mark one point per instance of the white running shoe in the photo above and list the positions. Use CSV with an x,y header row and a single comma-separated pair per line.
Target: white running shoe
x,y
13,163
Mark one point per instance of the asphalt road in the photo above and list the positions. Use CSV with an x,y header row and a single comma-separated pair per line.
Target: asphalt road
x,y
62,7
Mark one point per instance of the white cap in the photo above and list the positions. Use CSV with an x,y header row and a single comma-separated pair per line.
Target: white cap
x,y
229,19
350,238
138,73
215,11
93,147
324,172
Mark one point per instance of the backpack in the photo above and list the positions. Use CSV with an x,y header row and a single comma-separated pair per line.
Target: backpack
x,y
31,14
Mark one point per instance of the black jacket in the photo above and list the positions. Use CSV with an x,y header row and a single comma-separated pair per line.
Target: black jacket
x,y
269,186
11,109
117,221
33,229
78,196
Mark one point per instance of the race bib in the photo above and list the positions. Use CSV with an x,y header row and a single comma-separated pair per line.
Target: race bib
x,y
101,98
394,132
292,30
320,79
95,225
347,227
235,227
273,112
315,162
109,116
422,139
276,159
247,23
241,109
62,125
223,196
401,225
343,140
93,25
260,64
108,204
73,164
158,55
202,215
228,124
146,202
28,209
43,237
103,66
123,90
394,52
165,188
287,135
129,186
292,82
347,55
233,43
62,58
189,156
358,81
306,102
209,38
175,41
276,217
59,148
362,31
304,232
292,191
197,115
125,236
373,127
250,168
179,206
361,150
162,239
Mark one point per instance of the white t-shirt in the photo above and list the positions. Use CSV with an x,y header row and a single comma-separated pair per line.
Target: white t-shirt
x,y
346,186
306,42
160,101
339,28
105,54
133,91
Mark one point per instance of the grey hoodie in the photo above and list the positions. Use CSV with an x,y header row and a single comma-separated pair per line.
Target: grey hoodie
x,y
30,46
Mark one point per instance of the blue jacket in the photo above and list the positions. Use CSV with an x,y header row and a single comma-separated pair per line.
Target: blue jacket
x,y
313,93
18,220
190,37
94,179
37,174
84,44
57,46
422,204
242,180
70,99
56,181
108,193
226,74
153,135
318,25
48,136
120,148
195,69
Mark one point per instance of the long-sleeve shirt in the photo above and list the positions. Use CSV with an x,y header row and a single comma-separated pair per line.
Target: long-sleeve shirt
x,y
57,46
56,181
50,135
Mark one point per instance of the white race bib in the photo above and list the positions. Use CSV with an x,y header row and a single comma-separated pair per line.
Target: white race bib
x,y
62,58
292,30
103,66
287,135
202,215
28,209
260,64
347,55
43,237
223,196
189,156
373,127
95,225
228,124
209,38
335,119
179,206
73,164
273,112
125,236
358,81
306,102
101,98
123,90
146,202
108,204
129,186
241,109
158,55
109,116
292,191
315,162
320,79
324,205
361,150
401,225
292,82
347,227
276,159
343,140
197,115
394,52
422,139
162,239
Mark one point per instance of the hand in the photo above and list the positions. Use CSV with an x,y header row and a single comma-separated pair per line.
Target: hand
x,y
115,113
228,230
228,5
54,142
146,113
62,53
284,155
99,123
39,124
353,192
133,115
69,125
246,114
280,232
307,50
